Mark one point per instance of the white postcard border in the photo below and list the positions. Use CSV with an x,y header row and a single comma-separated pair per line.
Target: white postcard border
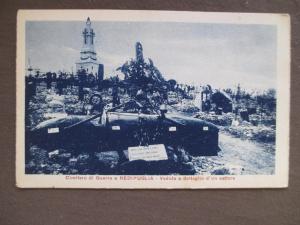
x,y
278,180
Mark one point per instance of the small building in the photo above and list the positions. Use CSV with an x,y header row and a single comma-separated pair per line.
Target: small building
x,y
222,101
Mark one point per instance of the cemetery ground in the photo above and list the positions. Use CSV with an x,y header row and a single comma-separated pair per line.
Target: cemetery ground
x,y
246,148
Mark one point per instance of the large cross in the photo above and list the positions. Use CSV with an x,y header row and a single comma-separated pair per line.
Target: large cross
x,y
93,34
84,35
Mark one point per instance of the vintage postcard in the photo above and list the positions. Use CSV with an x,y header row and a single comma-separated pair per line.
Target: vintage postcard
x,y
152,99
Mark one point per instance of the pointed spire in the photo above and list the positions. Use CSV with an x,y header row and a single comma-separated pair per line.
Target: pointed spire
x,y
88,21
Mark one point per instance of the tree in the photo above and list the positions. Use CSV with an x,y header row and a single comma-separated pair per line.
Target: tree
x,y
267,100
141,74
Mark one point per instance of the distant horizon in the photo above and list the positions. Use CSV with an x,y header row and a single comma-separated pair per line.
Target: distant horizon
x,y
204,53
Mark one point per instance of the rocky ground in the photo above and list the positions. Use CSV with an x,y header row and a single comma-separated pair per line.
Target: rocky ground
x,y
257,129
246,148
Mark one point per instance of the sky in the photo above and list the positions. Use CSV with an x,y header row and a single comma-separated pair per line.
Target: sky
x,y
221,55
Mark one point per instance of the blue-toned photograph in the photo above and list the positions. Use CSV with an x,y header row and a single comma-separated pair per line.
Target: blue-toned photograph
x,y
150,98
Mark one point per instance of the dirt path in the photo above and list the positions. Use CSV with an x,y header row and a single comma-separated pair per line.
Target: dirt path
x,y
238,156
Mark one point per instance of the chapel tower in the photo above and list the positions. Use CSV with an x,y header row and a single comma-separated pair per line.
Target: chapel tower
x,y
88,56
